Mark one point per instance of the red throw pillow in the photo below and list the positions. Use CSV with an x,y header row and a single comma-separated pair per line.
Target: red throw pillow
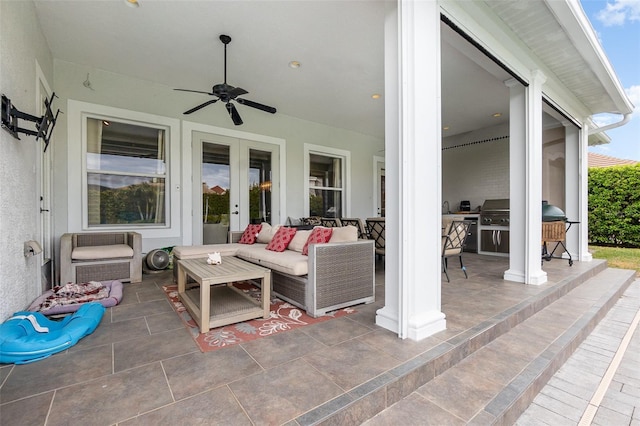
x,y
250,233
319,235
281,239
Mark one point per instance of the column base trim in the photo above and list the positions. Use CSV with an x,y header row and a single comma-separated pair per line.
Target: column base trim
x,y
386,318
519,277
426,324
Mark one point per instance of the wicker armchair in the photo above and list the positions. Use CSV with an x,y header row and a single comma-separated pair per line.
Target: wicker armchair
x,y
100,257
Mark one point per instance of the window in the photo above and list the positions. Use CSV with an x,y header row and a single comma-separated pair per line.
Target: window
x,y
126,174
327,182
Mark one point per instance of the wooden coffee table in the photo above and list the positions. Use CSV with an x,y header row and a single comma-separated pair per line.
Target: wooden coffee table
x,y
218,302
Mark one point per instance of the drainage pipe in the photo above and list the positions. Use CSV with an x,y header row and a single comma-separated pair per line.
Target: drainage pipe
x,y
622,122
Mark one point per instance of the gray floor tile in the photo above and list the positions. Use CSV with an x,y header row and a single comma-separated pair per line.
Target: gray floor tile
x,y
351,363
336,331
139,310
281,348
282,393
453,386
109,333
63,369
414,410
215,407
112,398
26,412
197,372
163,322
156,347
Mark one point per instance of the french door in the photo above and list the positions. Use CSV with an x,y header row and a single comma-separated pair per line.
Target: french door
x,y
235,182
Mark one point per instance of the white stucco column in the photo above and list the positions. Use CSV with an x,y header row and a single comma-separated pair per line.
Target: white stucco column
x,y
583,206
525,174
416,229
573,185
389,316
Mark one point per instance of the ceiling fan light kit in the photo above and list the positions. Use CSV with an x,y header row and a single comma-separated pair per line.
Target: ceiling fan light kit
x,y
227,93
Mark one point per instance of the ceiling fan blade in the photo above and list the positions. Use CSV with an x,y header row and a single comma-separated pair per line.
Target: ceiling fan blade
x,y
194,91
194,109
252,104
237,91
233,112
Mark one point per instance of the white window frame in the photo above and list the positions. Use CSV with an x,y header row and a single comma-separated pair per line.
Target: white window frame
x,y
78,112
346,174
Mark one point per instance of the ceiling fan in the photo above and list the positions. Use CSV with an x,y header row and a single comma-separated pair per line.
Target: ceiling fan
x,y
227,93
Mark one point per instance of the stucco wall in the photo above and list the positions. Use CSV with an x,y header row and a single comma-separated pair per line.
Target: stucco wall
x,y
21,43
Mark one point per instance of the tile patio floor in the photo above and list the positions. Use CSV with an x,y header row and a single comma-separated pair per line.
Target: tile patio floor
x,y
142,367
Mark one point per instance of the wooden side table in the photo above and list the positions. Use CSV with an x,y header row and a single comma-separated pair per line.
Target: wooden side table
x,y
218,302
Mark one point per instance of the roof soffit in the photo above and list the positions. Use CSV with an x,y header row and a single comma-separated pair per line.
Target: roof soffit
x,y
552,36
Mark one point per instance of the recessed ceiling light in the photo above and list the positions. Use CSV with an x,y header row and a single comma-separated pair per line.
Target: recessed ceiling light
x,y
376,96
106,123
132,3
445,128
497,114
294,64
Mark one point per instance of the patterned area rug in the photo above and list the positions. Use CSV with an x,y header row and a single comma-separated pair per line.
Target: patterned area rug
x,y
284,317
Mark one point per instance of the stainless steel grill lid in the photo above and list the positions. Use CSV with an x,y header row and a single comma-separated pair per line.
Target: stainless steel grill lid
x,y
495,212
496,205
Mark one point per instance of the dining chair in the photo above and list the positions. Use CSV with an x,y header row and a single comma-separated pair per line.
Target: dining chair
x,y
453,244
376,228
330,222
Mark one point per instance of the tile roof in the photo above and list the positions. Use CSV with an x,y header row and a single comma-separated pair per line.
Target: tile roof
x,y
599,160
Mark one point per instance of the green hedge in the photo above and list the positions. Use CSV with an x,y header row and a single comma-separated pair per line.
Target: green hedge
x,y
614,206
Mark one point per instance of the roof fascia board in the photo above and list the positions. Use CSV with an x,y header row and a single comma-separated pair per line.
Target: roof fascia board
x,y
570,15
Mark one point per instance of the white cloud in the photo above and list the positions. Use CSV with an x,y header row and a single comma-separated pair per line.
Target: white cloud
x,y
604,119
618,12
633,93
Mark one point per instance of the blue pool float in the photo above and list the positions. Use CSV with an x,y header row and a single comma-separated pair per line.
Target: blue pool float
x,y
30,336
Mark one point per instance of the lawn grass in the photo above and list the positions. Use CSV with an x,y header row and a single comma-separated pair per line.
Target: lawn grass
x,y
616,257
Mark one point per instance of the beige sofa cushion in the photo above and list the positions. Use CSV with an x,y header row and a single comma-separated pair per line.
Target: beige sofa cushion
x,y
344,234
195,252
113,251
299,240
289,261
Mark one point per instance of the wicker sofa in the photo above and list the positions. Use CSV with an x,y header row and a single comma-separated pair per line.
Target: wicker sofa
x,y
100,256
332,276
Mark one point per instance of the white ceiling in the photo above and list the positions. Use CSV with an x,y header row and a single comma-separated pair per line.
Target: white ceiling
x,y
339,44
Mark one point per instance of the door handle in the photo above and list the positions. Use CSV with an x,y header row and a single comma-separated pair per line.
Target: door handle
x,y
236,212
43,210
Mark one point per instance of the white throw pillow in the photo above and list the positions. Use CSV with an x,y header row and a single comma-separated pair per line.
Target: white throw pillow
x,y
299,240
266,233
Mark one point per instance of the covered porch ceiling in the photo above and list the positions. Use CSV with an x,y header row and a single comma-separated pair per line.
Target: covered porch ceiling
x,y
338,43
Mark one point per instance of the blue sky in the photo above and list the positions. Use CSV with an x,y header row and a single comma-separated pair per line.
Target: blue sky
x,y
617,25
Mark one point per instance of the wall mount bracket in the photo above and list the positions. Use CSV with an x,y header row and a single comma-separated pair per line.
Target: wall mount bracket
x,y
43,125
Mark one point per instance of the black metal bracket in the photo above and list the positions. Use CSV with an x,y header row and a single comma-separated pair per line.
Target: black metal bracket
x,y
43,125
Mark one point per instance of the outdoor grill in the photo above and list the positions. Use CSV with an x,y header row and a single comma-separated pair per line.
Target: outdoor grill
x,y
495,212
494,227
554,230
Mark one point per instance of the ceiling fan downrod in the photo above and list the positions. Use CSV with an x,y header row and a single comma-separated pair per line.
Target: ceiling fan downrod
x,y
225,39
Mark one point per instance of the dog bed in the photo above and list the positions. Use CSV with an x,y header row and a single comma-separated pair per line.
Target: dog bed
x,y
68,298
30,336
